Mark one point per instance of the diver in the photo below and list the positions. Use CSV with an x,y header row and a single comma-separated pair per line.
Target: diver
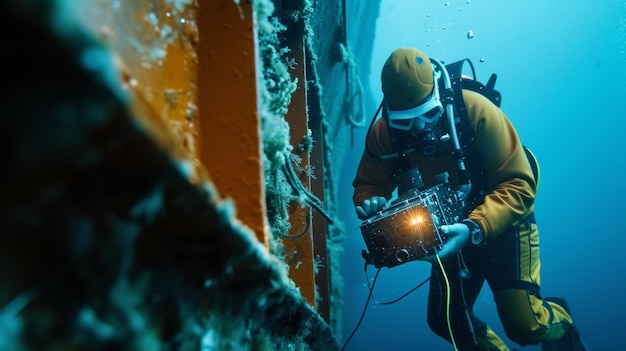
x,y
498,240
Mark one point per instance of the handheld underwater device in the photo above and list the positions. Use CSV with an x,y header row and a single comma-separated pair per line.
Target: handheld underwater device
x,y
409,228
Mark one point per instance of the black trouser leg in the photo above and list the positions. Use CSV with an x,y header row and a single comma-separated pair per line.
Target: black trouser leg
x,y
464,292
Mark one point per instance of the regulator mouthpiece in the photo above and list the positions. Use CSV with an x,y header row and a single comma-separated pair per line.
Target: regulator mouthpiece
x,y
427,142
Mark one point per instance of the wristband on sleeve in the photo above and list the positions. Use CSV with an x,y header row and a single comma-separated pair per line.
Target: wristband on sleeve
x,y
476,234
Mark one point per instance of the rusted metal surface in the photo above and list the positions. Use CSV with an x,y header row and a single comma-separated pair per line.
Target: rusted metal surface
x,y
320,226
193,64
323,275
229,143
299,245
105,243
154,46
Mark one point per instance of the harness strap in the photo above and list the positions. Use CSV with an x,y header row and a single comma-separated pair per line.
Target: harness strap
x,y
464,129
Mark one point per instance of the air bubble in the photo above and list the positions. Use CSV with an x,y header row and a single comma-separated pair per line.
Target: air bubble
x,y
153,18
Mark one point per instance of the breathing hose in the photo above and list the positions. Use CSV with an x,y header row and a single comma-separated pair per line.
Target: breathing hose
x,y
464,182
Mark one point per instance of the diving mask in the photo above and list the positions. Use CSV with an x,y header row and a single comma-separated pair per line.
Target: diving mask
x,y
428,112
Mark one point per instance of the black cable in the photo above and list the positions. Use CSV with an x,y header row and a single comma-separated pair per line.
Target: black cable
x,y
299,189
304,231
399,298
369,296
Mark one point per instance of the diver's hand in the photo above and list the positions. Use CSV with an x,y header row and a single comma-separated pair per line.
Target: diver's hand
x,y
457,235
369,207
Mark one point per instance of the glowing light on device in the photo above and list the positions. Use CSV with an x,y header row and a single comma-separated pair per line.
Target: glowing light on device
x,y
409,228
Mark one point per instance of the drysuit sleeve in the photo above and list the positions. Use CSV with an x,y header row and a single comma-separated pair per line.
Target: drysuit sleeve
x,y
375,176
511,184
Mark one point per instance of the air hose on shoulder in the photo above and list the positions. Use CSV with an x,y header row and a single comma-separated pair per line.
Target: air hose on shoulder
x,y
448,99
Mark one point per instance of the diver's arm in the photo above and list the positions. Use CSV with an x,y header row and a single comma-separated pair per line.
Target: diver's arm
x,y
511,183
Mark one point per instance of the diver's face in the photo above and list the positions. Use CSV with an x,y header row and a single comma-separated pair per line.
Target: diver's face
x,y
418,118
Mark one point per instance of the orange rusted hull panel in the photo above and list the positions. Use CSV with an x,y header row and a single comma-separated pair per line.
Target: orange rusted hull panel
x,y
230,137
191,67
299,246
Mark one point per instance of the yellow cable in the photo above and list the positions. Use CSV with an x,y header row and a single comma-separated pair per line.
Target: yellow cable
x,y
445,277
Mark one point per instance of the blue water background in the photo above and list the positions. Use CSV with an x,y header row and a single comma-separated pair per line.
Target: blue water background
x,y
561,69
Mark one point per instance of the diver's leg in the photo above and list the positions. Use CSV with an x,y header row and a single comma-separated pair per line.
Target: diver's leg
x,y
527,319
491,342
514,279
571,340
469,332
